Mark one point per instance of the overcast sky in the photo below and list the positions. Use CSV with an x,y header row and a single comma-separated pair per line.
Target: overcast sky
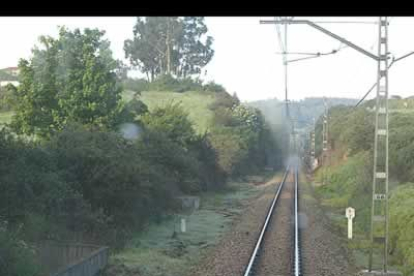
x,y
246,59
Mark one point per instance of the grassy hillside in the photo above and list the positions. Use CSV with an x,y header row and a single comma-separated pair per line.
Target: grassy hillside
x,y
195,103
5,117
350,178
303,111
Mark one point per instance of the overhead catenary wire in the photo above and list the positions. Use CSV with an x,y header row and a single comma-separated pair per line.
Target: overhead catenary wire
x,y
334,20
318,54
346,22
394,60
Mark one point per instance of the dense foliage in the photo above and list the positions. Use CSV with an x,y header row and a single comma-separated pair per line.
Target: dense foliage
x,y
101,167
350,184
168,83
243,140
68,79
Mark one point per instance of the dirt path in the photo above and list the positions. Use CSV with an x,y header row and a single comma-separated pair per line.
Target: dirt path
x,y
323,251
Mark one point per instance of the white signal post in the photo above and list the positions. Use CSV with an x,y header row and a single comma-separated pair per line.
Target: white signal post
x,y
350,214
183,225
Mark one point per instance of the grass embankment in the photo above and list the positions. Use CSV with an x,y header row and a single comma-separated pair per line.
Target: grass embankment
x,y
350,183
195,103
5,117
349,186
157,252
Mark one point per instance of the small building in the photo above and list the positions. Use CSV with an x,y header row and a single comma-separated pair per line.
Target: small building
x,y
189,203
4,83
14,71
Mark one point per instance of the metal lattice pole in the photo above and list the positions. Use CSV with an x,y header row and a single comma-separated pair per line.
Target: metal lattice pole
x,y
325,146
313,145
379,212
379,208
285,65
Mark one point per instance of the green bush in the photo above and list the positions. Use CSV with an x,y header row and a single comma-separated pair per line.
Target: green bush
x,y
7,97
137,85
168,83
106,170
401,206
213,87
401,146
171,120
224,100
351,185
210,173
17,258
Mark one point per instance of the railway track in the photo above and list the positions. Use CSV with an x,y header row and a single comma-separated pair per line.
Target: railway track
x,y
277,250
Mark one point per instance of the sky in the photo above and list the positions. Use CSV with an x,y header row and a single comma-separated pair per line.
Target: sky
x,y
246,59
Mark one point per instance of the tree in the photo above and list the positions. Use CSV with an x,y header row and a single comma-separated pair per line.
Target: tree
x,y
171,45
69,79
193,53
173,121
144,51
7,97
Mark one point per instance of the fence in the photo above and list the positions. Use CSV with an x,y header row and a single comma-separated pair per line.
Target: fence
x,y
72,259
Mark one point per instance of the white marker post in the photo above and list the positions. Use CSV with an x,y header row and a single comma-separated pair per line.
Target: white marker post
x,y
183,225
350,214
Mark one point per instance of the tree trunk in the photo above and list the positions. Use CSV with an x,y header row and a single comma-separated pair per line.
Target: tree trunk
x,y
161,68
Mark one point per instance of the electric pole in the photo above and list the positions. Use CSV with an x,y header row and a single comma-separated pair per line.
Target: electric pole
x,y
379,206
312,153
325,143
285,66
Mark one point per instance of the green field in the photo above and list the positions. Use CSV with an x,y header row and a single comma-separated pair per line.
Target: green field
x,y
5,117
195,103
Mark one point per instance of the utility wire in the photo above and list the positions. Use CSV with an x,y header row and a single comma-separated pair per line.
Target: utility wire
x,y
374,42
296,53
347,22
312,55
316,55
279,36
394,60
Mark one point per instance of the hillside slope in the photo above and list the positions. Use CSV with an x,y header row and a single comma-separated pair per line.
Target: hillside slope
x,y
303,111
195,103
350,177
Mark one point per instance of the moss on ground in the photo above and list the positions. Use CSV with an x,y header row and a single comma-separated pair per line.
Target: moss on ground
x,y
158,252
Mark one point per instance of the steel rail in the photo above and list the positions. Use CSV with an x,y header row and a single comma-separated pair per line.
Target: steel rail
x,y
297,268
253,258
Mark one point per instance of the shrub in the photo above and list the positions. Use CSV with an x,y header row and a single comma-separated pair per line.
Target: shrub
x,y
16,257
168,83
402,225
137,85
213,87
224,100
